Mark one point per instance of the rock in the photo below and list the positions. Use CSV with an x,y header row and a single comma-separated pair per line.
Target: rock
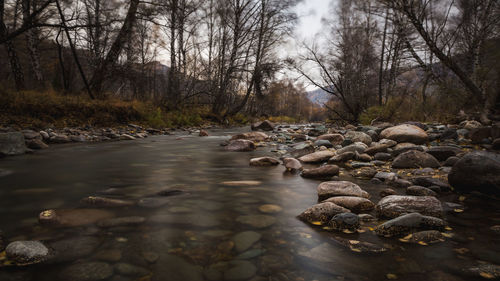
x,y
377,148
203,133
419,191
44,135
106,202
357,165
470,124
339,188
364,173
26,252
404,147
400,183
79,138
301,149
87,271
264,161
387,191
317,157
240,270
408,223
265,125
385,176
334,139
484,270
496,144
345,221
317,131
292,164
36,144
72,217
251,136
270,208
415,159
173,268
323,172
250,254
204,219
442,153
321,213
126,137
109,255
477,171
244,240
358,147
450,162
344,157
240,145
364,157
12,144
395,205
257,221
429,181
357,136
366,218
381,156
72,248
405,133
324,143
127,269
30,135
123,221
425,237
353,203
478,135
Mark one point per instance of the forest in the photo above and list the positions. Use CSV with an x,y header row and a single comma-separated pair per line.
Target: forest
x,y
220,60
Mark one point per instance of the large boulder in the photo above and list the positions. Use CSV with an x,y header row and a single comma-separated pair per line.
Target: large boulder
x,y
12,144
317,157
415,159
240,145
477,171
393,206
323,172
405,133
357,136
264,161
409,223
339,188
334,139
265,125
321,213
252,136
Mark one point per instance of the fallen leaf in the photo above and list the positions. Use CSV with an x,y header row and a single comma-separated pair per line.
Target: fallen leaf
x,y
391,276
486,275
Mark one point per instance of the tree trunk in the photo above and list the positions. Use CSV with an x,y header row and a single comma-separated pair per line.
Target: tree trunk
x,y
32,42
103,70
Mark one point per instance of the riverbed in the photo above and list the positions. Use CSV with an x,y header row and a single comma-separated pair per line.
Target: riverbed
x,y
226,220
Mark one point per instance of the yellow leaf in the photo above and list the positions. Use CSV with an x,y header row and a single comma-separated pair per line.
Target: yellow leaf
x,y
447,235
448,228
361,231
391,276
316,223
486,275
408,237
347,231
458,210
404,240
422,243
461,198
461,250
355,249
353,242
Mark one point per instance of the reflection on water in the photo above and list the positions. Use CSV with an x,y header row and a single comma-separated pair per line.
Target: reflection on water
x,y
232,221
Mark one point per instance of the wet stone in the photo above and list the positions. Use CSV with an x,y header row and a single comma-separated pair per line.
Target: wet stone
x,y
264,161
292,164
323,172
393,206
420,191
106,202
339,188
87,271
73,217
244,240
321,213
130,270
345,221
110,255
353,203
257,221
73,248
270,208
26,252
240,270
426,237
123,221
409,223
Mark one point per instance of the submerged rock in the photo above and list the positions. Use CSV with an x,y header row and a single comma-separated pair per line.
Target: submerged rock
x,y
240,270
409,223
123,221
420,191
425,237
264,161
251,136
106,202
72,248
87,271
339,188
73,217
393,206
257,221
323,172
321,213
244,240
477,171
26,252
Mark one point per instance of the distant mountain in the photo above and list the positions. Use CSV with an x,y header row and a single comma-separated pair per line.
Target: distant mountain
x,y
319,97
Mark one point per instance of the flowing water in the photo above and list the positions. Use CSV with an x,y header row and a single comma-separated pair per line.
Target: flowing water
x,y
190,236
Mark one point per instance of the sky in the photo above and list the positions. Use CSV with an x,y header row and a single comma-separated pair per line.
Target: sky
x,y
310,13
